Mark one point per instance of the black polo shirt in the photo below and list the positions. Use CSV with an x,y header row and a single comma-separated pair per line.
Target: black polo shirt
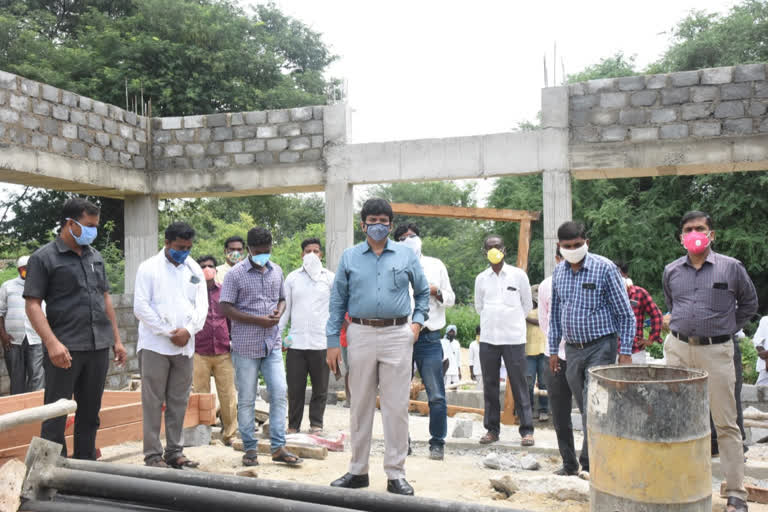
x,y
73,288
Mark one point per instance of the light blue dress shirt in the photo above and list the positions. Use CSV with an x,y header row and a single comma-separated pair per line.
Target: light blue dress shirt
x,y
371,286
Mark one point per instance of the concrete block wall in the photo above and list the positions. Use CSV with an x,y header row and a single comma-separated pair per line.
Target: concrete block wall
x,y
238,139
45,118
727,101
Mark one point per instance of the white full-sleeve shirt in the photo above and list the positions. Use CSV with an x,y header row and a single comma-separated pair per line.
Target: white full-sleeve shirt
x,y
503,301
306,307
437,275
545,306
169,297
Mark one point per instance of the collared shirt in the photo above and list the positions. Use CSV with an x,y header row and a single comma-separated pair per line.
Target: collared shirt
x,y
254,292
221,271
503,300
590,304
12,309
306,306
169,297
760,339
642,305
703,302
73,288
371,286
545,305
474,358
213,338
452,352
437,275
535,340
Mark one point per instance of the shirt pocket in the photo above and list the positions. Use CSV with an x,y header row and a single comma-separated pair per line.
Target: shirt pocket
x,y
510,296
101,276
66,279
399,278
718,300
589,298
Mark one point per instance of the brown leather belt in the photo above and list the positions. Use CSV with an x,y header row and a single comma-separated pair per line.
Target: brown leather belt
x,y
702,340
379,322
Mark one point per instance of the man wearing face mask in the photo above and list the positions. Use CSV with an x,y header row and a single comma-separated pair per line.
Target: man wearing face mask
x,y
234,253
372,284
503,300
702,290
212,354
253,298
589,309
22,345
78,326
427,351
171,302
307,292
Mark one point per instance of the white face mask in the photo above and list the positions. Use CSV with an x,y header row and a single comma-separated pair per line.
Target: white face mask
x,y
628,282
312,265
574,255
414,244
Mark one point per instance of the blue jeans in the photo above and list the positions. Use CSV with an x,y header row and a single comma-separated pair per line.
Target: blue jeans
x,y
247,381
428,356
537,369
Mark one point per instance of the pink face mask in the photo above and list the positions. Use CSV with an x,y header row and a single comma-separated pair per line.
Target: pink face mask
x,y
696,242
209,273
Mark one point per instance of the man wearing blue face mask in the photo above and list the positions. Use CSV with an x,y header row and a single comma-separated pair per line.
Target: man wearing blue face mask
x,y
80,326
372,283
253,298
171,303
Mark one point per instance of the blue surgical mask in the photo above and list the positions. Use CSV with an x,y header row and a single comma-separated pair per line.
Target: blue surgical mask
x,y
378,231
178,256
260,259
87,234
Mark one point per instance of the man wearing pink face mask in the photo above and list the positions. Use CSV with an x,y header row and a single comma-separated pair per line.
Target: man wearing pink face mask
x,y
702,290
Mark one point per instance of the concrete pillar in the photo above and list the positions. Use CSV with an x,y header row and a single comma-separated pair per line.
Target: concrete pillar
x,y
557,177
339,221
140,234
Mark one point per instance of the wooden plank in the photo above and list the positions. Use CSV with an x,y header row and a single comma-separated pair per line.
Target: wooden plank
x,y
460,212
523,245
508,416
113,398
300,450
423,408
15,403
206,401
754,493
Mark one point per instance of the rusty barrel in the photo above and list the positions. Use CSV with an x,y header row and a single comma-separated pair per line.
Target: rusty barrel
x,y
649,447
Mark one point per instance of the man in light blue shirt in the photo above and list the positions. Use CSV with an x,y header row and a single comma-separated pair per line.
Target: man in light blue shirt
x,y
372,283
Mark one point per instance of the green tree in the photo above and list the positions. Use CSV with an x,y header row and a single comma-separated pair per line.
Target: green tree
x,y
609,67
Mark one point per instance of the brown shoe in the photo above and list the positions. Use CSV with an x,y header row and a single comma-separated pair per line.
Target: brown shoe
x,y
489,438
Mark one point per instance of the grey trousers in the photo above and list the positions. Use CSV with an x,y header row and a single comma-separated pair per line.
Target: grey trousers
x,y
380,361
24,363
164,380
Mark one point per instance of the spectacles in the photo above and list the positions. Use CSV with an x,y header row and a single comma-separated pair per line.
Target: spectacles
x,y
404,237
208,265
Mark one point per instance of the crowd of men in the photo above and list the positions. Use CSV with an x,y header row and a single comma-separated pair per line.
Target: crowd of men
x,y
386,306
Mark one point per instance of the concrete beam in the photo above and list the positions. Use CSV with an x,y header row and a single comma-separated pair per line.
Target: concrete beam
x,y
239,181
339,219
47,170
481,156
141,228
667,158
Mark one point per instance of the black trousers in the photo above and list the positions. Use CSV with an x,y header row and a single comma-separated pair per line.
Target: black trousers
x,y
560,403
738,366
517,368
298,364
85,380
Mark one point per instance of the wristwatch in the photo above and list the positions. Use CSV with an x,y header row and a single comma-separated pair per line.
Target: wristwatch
x,y
439,295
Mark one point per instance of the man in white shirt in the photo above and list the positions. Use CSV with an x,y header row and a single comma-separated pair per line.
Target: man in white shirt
x,y
503,299
171,303
475,370
21,344
760,340
307,292
428,351
453,374
234,253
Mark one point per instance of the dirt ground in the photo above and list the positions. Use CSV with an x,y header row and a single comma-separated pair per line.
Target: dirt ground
x,y
460,476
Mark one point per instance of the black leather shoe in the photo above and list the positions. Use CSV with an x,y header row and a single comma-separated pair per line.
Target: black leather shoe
x,y
436,452
351,481
566,472
400,486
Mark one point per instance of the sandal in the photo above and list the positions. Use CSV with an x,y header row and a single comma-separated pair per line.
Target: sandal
x,y
291,431
737,503
316,430
251,458
489,438
155,462
286,457
527,441
181,462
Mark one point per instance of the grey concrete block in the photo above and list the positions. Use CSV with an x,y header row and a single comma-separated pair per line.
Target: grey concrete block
x,y
130,118
737,126
633,117
8,80
301,114
111,156
77,117
95,121
50,126
69,99
110,126
19,102
299,144
583,102
576,118
311,155
697,110
214,120
289,157
631,83
221,161
749,393
139,162
266,132
8,115
213,148
706,129
757,108
174,150
576,421
118,143
133,147
126,131
265,158
222,133
312,128
244,159
704,93
85,103
663,115
254,145
643,134
673,131
277,116
125,159
613,134
3,95
41,108
101,108
462,429
289,130
317,141
178,162
255,117
140,135
77,148
60,112
69,131
102,139
761,90
95,153
244,132
186,135
643,98
600,85
684,78
735,91
116,113
233,146
30,88
236,119
202,163
85,135
675,96
656,81
585,134
730,109
749,72
716,75
29,122
204,134
170,123
59,145
579,89
194,150
317,112
39,141
613,99
161,137
277,144
18,136
604,117
157,151
193,121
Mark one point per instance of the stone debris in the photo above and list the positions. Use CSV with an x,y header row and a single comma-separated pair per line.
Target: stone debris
x,y
11,478
462,429
249,472
529,463
504,485
560,488
511,463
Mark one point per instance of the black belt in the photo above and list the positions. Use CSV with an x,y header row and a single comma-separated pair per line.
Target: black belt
x,y
379,322
579,345
702,340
